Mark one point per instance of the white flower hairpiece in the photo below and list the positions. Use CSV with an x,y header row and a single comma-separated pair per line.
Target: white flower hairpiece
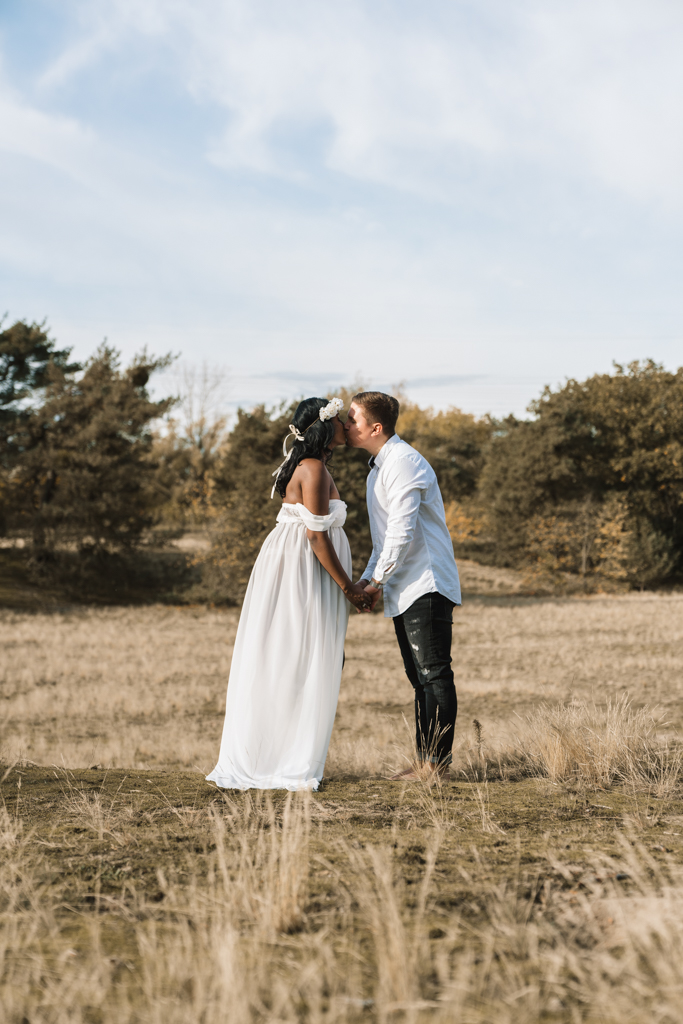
x,y
326,413
332,409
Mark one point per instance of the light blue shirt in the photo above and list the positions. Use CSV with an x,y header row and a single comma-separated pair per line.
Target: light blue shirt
x,y
412,551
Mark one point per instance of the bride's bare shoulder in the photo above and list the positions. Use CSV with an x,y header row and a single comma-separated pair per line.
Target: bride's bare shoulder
x,y
311,469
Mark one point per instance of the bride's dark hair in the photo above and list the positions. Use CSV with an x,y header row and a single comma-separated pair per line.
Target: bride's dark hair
x,y
317,435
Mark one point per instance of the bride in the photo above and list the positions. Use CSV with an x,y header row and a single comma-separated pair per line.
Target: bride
x,y
287,663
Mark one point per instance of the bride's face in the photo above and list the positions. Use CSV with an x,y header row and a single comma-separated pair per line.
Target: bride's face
x,y
339,435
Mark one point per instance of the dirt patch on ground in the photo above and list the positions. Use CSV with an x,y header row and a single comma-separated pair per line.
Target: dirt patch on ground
x,y
102,831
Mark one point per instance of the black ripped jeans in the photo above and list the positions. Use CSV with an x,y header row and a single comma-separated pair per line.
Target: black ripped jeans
x,y
424,634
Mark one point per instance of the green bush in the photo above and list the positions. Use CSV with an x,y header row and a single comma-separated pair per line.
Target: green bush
x,y
618,435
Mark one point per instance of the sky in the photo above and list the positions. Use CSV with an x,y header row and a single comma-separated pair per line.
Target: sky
x,y
470,200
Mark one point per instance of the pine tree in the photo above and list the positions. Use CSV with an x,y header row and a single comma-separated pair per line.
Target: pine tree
x,y
86,476
27,355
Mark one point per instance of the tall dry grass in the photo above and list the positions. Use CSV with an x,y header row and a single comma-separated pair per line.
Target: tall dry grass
x,y
268,878
600,745
238,944
580,742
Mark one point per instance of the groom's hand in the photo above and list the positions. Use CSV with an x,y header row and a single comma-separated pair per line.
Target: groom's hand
x,y
372,592
355,593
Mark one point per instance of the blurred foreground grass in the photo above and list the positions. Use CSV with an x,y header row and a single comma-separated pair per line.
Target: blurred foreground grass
x,y
131,896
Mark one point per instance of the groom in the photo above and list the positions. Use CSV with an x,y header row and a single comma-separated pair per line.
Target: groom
x,y
412,561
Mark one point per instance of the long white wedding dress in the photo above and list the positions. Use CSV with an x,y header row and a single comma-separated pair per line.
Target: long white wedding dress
x,y
286,666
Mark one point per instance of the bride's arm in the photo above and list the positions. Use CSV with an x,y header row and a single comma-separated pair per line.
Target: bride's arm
x,y
315,490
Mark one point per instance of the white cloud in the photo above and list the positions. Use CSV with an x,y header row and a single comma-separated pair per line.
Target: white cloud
x,y
407,95
98,29
61,142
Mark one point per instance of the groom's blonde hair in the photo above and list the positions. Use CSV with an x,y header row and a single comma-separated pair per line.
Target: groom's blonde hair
x,y
379,408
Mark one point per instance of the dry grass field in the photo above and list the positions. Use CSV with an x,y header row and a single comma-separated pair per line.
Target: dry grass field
x,y
145,687
542,882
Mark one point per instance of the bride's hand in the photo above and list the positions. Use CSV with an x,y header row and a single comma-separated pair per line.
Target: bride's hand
x,y
358,598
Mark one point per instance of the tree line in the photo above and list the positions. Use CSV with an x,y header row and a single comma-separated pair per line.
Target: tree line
x,y
586,493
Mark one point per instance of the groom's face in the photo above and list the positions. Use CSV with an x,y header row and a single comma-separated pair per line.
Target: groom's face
x,y
358,431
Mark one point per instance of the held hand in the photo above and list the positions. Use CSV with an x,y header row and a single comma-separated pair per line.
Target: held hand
x,y
372,592
358,598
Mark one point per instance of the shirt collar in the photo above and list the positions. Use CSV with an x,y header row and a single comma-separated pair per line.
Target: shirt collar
x,y
376,461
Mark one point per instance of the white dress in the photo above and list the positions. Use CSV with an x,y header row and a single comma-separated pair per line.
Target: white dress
x,y
286,666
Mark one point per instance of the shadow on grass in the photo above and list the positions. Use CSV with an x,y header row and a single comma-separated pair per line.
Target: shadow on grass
x,y
141,577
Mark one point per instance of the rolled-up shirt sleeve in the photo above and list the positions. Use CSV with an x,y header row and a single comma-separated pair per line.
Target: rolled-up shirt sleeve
x,y
405,485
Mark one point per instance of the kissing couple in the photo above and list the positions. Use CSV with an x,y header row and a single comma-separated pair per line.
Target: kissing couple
x,y
289,649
